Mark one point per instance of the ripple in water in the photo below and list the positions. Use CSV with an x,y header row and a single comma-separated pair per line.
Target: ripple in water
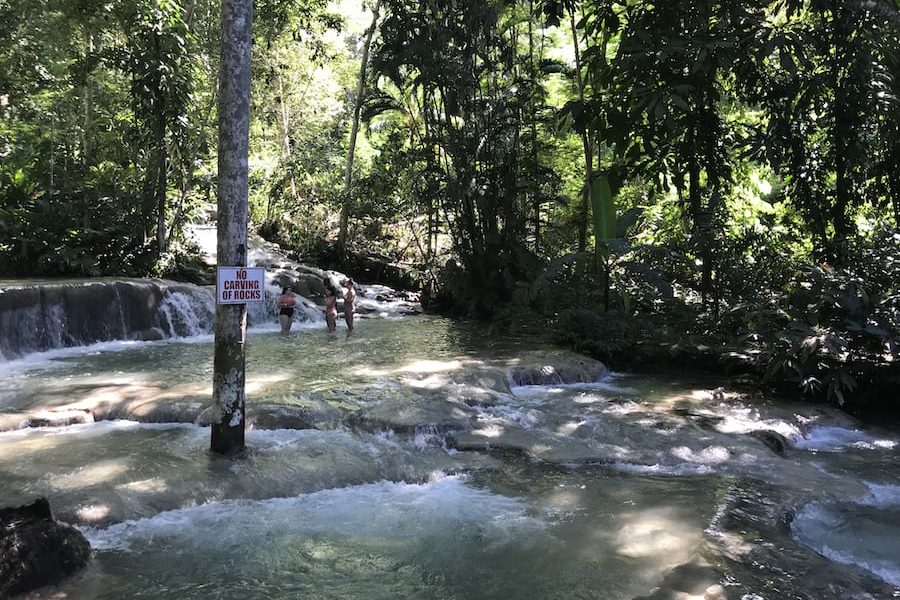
x,y
865,533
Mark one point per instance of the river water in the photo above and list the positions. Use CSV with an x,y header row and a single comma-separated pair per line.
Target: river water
x,y
428,468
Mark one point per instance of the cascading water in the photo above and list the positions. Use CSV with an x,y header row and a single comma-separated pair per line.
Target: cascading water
x,y
44,315
39,316
400,462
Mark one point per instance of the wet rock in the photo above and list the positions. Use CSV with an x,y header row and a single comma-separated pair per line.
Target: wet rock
x,y
554,369
703,419
36,550
774,440
690,581
44,418
408,414
150,335
311,284
153,411
283,416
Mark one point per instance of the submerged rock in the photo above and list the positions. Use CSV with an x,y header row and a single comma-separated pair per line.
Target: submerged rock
x,y
36,550
696,579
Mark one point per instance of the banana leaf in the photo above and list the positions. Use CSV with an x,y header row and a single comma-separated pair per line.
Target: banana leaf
x,y
604,209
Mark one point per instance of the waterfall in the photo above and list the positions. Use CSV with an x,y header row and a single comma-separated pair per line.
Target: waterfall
x,y
36,317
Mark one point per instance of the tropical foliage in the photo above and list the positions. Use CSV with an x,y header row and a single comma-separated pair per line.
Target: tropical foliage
x,y
723,173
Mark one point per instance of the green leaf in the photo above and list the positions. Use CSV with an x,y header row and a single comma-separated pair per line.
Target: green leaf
x,y
604,209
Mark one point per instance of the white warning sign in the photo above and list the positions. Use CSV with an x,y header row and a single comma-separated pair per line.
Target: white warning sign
x,y
240,285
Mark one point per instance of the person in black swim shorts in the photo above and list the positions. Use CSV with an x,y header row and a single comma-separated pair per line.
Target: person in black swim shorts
x,y
285,304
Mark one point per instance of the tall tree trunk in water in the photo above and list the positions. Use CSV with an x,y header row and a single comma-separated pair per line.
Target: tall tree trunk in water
x,y
586,143
354,130
234,127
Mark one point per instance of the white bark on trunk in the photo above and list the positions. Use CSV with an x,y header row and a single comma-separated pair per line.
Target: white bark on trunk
x,y
234,127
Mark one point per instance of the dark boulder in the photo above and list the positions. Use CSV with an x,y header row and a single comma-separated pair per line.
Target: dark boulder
x,y
36,550
775,441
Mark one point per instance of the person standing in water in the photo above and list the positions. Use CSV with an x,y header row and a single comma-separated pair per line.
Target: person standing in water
x,y
285,304
330,307
349,303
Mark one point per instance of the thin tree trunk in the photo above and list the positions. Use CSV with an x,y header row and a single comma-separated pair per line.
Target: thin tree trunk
x,y
229,361
161,183
839,213
536,196
696,209
586,144
284,124
354,130
86,141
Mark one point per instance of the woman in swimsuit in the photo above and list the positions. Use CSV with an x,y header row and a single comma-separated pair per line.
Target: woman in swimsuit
x,y
349,302
285,304
330,307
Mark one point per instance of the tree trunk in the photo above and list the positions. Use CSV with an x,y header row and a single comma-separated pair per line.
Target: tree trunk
x,y
698,218
354,130
161,183
284,131
586,143
87,149
536,199
234,126
840,217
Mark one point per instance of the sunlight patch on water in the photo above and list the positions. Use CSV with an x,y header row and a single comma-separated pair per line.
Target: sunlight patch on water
x,y
656,532
94,474
490,430
92,513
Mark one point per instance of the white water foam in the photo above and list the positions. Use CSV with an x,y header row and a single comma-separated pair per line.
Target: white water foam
x,y
881,495
741,419
505,415
827,438
383,510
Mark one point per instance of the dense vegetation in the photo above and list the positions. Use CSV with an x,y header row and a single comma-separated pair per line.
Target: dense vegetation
x,y
627,174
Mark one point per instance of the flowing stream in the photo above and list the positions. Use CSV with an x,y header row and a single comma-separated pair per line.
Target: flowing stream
x,y
423,458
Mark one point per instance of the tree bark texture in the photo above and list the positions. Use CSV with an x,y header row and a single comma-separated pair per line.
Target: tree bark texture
x,y
354,131
583,213
234,127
